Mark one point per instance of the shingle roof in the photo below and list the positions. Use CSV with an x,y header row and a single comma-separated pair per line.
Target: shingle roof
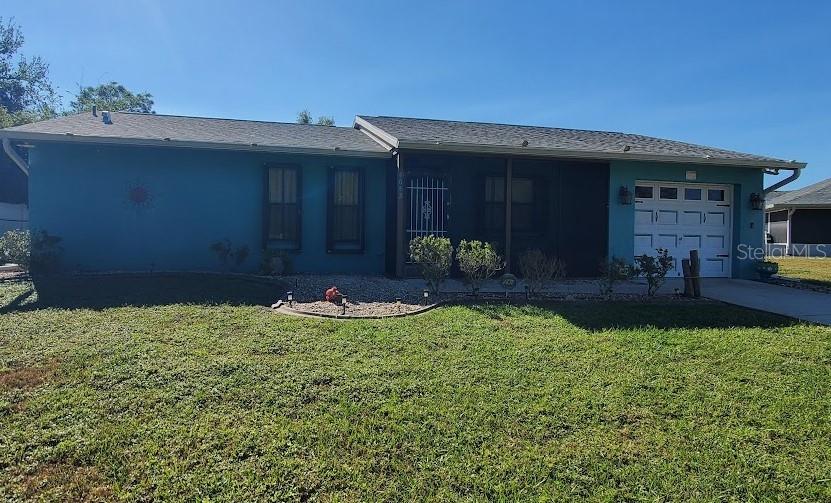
x,y
818,194
199,131
403,132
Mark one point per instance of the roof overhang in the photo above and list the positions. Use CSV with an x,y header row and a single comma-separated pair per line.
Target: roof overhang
x,y
392,142
152,142
786,206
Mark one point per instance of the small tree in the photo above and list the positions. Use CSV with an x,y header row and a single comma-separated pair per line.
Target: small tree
x,y
15,247
435,256
612,272
478,261
654,269
537,268
305,117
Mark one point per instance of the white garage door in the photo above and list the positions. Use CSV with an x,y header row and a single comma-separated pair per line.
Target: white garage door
x,y
682,217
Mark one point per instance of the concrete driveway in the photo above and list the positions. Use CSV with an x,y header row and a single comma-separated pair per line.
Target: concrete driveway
x,y
801,304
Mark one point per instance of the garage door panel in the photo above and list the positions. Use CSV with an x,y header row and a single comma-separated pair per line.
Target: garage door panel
x,y
643,243
643,217
668,241
716,218
714,267
715,242
667,217
692,241
692,217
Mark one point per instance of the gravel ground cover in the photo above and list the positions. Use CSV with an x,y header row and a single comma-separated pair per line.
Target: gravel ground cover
x,y
366,295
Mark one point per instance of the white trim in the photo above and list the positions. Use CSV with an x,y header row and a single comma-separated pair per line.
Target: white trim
x,y
379,135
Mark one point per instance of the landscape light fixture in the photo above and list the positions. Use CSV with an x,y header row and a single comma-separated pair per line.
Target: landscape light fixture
x,y
426,295
290,297
343,303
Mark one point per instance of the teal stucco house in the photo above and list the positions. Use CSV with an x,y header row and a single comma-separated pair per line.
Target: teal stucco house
x,y
142,192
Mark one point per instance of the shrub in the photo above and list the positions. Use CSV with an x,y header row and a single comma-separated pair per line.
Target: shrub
x,y
45,253
240,255
537,268
225,252
654,269
478,261
274,263
15,247
612,272
434,255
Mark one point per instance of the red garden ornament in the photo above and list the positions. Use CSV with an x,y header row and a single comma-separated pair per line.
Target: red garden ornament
x,y
332,294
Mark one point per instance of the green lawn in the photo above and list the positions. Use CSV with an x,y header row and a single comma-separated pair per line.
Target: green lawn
x,y
810,270
230,402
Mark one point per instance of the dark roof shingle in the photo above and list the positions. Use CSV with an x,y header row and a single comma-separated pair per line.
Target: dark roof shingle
x,y
818,194
424,132
207,131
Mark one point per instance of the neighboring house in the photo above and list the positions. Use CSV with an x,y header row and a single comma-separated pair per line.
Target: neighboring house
x,y
153,192
797,221
14,208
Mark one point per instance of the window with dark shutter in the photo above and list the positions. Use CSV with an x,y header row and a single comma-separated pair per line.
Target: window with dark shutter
x,y
345,231
523,205
283,213
494,216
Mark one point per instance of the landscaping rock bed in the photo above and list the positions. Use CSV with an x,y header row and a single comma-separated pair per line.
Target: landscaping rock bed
x,y
367,296
375,296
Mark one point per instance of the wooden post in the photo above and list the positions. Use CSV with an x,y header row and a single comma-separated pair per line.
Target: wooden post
x,y
688,287
695,269
399,217
509,178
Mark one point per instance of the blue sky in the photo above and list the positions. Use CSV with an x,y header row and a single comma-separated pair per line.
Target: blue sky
x,y
754,77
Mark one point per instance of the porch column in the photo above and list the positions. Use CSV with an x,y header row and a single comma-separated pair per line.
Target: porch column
x,y
788,233
509,176
399,218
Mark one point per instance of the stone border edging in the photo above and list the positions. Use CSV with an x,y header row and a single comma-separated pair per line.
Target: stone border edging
x,y
308,314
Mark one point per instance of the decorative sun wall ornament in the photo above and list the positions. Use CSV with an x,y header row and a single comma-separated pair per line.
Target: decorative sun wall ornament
x,y
138,195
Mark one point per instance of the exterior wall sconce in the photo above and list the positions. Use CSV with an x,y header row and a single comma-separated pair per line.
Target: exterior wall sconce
x,y
757,202
624,195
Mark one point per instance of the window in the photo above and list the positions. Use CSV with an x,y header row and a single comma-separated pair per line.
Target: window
x,y
692,194
643,191
715,195
345,232
283,207
669,192
522,205
494,217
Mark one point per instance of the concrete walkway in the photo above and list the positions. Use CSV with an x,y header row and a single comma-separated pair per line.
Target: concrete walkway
x,y
801,304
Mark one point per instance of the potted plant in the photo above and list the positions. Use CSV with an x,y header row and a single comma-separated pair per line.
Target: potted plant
x,y
766,269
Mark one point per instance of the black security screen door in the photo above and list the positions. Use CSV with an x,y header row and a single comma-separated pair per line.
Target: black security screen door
x,y
428,206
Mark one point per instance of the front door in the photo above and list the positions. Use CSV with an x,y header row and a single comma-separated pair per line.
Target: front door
x,y
682,217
